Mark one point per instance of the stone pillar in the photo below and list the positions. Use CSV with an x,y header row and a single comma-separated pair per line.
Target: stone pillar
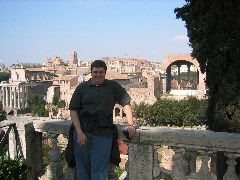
x,y
34,152
23,97
26,96
14,98
18,101
54,170
121,112
12,144
179,82
168,79
1,93
114,116
140,162
28,144
7,97
10,97
4,97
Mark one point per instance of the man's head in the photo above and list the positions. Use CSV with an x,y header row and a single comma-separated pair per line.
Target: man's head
x,y
98,71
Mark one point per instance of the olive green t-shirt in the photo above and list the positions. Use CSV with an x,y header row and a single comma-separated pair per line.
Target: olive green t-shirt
x,y
92,98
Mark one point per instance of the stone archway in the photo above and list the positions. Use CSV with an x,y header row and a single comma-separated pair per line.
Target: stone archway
x,y
188,85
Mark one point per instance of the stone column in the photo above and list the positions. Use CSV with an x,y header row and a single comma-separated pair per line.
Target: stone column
x,y
12,145
179,83
23,97
54,170
168,80
10,88
14,98
4,97
18,101
114,116
1,93
7,97
26,96
121,112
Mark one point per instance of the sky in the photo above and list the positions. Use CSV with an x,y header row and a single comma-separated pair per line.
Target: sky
x,y
32,30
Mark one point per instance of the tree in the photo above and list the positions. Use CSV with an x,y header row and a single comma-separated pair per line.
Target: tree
x,y
55,100
4,76
61,104
37,106
213,30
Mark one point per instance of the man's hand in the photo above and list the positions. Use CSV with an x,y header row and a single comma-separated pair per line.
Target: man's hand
x,y
81,138
131,131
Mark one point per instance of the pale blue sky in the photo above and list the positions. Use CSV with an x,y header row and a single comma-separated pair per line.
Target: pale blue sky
x,y
31,30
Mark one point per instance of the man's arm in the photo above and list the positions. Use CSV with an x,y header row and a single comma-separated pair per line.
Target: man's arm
x,y
128,111
82,139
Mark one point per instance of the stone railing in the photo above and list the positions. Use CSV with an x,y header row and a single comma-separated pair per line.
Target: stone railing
x,y
143,157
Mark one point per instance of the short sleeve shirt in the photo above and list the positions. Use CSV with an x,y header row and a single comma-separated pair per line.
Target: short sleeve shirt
x,y
92,98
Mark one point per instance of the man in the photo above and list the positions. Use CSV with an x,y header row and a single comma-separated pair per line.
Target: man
x,y
91,110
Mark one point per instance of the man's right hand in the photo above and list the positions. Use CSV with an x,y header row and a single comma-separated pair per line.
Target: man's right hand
x,y
81,138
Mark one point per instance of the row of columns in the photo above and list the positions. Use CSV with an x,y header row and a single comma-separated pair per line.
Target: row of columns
x,y
14,96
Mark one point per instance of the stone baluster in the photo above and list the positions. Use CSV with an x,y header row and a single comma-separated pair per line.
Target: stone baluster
x,y
180,166
191,157
231,162
54,170
204,172
156,167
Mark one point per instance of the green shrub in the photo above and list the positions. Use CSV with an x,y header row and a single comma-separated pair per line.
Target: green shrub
x,y
118,171
11,169
164,112
37,106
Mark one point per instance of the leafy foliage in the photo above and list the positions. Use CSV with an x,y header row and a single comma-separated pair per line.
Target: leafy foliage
x,y
213,31
55,100
118,171
58,103
37,106
61,104
13,168
4,76
164,112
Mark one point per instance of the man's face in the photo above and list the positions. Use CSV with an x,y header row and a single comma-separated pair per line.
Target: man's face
x,y
98,75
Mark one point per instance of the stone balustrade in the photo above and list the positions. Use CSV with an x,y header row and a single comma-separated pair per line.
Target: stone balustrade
x,y
143,156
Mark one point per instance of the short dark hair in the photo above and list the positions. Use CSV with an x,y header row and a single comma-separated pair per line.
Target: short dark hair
x,y
98,63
